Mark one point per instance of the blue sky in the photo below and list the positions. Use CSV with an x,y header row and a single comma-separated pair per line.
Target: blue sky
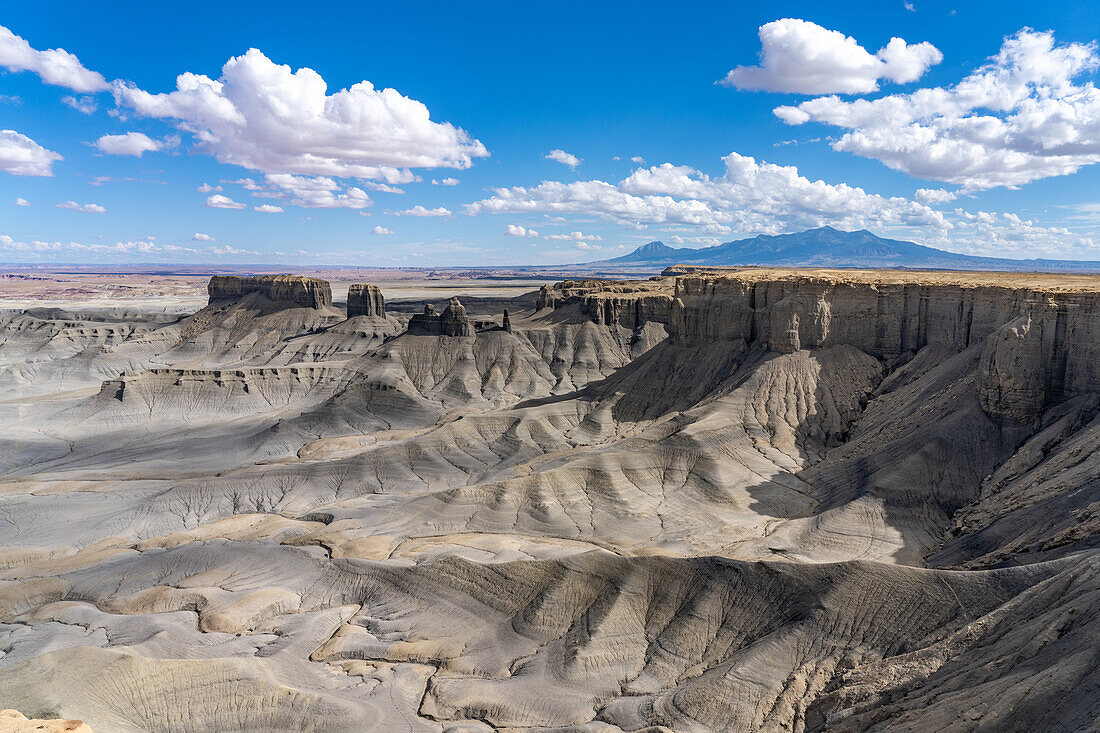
x,y
977,132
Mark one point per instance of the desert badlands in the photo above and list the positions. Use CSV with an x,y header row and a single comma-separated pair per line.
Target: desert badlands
x,y
715,500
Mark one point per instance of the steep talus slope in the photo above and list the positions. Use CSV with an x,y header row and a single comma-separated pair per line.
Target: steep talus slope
x,y
49,334
195,395
1030,665
1041,503
246,330
680,485
349,339
737,500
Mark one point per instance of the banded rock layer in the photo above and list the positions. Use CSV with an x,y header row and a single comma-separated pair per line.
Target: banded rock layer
x,y
306,292
365,300
1040,341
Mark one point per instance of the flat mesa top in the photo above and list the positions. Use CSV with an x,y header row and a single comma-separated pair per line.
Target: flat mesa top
x,y
1045,281
280,278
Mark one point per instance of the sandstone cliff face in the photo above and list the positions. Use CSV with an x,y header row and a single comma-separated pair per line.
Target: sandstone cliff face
x,y
1015,377
306,292
1039,344
627,304
365,300
454,321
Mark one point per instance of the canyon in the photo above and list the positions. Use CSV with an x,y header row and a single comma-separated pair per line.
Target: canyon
x,y
734,499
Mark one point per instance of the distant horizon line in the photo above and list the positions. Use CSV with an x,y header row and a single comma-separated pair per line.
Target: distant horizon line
x,y
567,265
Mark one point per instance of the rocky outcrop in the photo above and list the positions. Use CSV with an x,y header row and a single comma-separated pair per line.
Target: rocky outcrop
x,y
506,323
365,300
630,304
295,290
198,394
426,322
1039,344
1014,377
452,322
1041,335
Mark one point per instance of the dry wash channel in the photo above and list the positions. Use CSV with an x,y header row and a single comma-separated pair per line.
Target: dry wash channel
x,y
730,500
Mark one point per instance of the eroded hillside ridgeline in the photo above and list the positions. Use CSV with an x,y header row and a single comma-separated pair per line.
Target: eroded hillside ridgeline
x,y
720,499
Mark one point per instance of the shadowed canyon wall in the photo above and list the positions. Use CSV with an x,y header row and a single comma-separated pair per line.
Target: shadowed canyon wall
x,y
1039,344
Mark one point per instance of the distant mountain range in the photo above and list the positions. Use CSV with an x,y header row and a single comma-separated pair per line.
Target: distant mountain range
x,y
828,247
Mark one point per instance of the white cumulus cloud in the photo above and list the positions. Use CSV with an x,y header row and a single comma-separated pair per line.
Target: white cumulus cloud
x,y
752,197
1019,117
207,188
82,208
445,182
39,250
1006,234
266,117
218,201
419,210
564,158
21,156
268,209
309,192
22,202
802,57
55,66
932,196
200,237
129,143
381,230
748,196
515,230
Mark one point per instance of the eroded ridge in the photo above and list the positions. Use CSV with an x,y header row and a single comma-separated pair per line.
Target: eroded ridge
x,y
733,500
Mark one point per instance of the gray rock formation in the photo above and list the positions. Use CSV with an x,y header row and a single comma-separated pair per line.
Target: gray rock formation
x,y
506,322
732,501
365,300
1015,376
452,322
1047,337
426,322
630,304
306,292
